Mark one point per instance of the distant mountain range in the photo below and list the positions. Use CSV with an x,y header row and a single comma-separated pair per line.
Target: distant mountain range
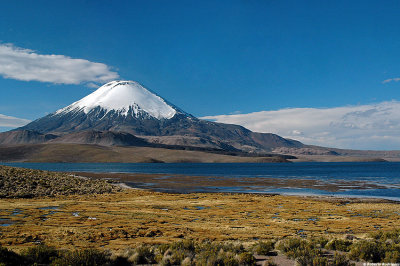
x,y
127,114
124,113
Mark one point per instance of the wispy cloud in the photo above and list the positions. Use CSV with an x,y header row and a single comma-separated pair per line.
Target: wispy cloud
x,y
24,64
12,122
375,126
390,80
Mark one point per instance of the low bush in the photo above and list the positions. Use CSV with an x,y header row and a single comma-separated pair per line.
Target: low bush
x,y
40,254
10,258
370,251
246,258
298,248
392,236
173,257
83,257
340,260
142,255
339,244
384,247
319,242
263,247
392,257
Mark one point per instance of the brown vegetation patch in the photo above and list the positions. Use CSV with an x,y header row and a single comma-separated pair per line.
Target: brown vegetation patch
x,y
28,183
133,217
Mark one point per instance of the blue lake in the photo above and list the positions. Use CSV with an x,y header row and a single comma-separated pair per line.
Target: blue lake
x,y
384,174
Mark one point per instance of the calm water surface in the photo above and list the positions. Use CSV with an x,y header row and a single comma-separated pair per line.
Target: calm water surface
x,y
386,174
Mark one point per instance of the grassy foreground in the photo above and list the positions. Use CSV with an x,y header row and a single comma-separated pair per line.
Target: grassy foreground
x,y
125,223
381,247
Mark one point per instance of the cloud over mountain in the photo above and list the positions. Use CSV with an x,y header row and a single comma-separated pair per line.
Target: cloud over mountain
x,y
374,126
11,122
24,64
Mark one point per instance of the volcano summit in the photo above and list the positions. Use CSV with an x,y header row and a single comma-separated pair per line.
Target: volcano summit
x,y
124,98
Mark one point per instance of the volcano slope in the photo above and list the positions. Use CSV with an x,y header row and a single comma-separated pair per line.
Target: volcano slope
x,y
126,107
125,114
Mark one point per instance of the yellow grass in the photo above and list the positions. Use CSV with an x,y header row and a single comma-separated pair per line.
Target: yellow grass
x,y
128,218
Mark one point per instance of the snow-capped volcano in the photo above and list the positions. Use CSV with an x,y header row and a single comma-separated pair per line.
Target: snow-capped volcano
x,y
120,107
124,98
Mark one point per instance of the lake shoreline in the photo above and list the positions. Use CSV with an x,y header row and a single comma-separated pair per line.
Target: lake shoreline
x,y
339,180
185,184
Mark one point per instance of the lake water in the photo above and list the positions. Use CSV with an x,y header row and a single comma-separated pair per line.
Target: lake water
x,y
386,175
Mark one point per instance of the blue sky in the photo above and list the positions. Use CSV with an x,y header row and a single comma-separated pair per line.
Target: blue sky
x,y
207,57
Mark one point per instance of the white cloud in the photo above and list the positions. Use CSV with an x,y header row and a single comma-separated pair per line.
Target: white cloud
x,y
27,65
12,122
375,126
390,80
92,85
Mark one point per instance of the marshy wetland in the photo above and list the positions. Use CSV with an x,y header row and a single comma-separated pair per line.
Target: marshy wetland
x,y
107,217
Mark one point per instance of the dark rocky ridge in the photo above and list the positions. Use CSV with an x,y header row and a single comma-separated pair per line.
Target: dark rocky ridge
x,y
25,137
186,130
104,138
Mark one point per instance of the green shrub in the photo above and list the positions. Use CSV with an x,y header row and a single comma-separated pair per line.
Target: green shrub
x,y
306,260
173,257
263,247
296,248
339,244
302,250
87,257
319,261
143,255
319,242
234,248
340,260
370,251
40,254
289,244
8,257
246,258
185,245
187,262
229,259
220,258
381,236
392,256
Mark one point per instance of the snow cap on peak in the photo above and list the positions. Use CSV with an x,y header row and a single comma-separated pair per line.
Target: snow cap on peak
x,y
122,96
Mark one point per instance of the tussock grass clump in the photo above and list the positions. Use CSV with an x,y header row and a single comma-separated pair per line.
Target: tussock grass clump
x,y
310,252
10,258
28,183
383,247
263,247
83,257
339,244
45,255
380,247
188,252
319,242
142,255
40,254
